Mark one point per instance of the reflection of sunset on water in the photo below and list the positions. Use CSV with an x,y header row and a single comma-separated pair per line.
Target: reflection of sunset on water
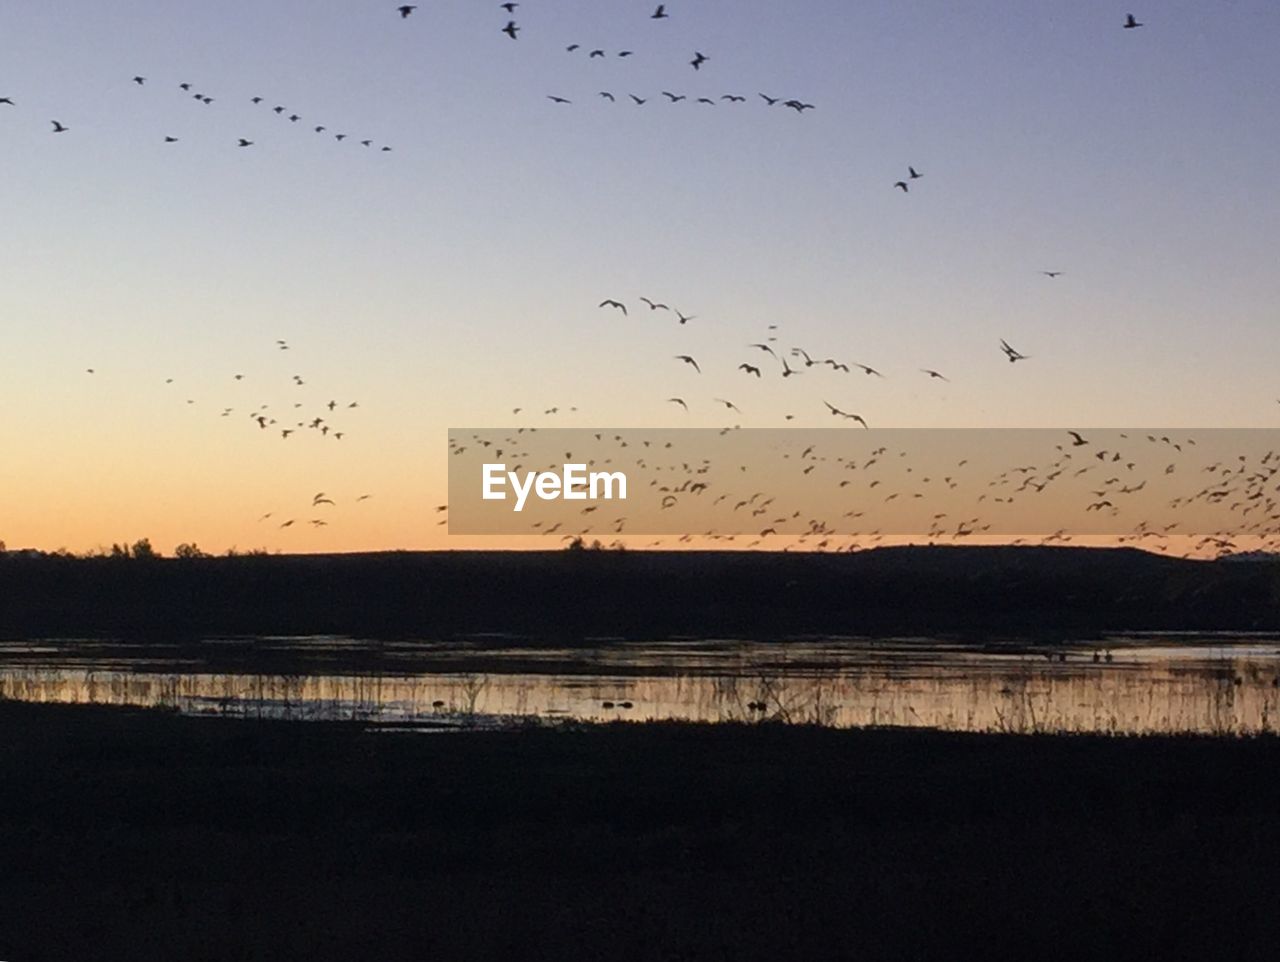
x,y
1203,685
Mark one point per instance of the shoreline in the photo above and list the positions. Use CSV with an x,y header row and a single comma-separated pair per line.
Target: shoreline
x,y
124,832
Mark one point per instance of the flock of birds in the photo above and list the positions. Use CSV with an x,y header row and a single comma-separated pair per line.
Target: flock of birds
x,y
1244,488
286,114
724,485
780,364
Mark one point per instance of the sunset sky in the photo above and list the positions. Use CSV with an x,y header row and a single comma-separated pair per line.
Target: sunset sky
x,y
457,277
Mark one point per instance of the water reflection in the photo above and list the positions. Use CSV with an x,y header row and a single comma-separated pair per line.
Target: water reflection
x,y
1201,684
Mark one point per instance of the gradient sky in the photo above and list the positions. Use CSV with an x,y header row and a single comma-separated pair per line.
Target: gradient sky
x,y
457,277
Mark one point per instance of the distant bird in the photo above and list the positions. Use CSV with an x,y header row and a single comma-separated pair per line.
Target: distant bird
x,y
706,100
733,98
1052,273
869,370
256,100
749,368
934,374
278,109
339,137
624,53
729,404
245,143
572,47
406,10
660,13
1010,353
185,86
608,96
638,100
6,100
698,60
911,172
903,185
654,306
769,100
58,128
1130,22
321,130
764,347
171,140
674,98
689,360
685,319
139,80
678,400
558,100
595,53
1076,439
618,304
509,7
511,29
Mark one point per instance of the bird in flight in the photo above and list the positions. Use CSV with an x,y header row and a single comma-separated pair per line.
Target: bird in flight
x,y
653,306
1076,439
770,100
608,96
7,100
406,10
1010,353
836,412
638,100
698,60
1052,273
58,128
903,185
673,97
558,100
510,29
729,404
678,400
618,304
733,98
934,374
749,368
660,13
685,318
139,80
171,140
1130,22
688,360
869,370
245,143
913,174
763,347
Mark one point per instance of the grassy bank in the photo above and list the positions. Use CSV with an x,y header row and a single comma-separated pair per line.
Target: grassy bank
x,y
127,834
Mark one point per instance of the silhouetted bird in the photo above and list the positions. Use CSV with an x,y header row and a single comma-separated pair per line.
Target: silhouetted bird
x,y
406,10
660,13
558,100
618,304
1130,22
902,184
510,29
698,60
58,128
245,143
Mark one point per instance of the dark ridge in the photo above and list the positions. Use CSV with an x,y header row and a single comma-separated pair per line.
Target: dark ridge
x,y
568,595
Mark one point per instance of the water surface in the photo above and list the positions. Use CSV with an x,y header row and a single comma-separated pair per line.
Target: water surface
x,y
1217,684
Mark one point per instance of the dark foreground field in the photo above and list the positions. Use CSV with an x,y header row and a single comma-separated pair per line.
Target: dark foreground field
x,y
132,835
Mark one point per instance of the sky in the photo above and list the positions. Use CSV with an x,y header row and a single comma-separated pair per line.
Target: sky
x,y
456,277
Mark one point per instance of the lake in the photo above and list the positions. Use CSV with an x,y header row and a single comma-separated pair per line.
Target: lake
x,y
1129,684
